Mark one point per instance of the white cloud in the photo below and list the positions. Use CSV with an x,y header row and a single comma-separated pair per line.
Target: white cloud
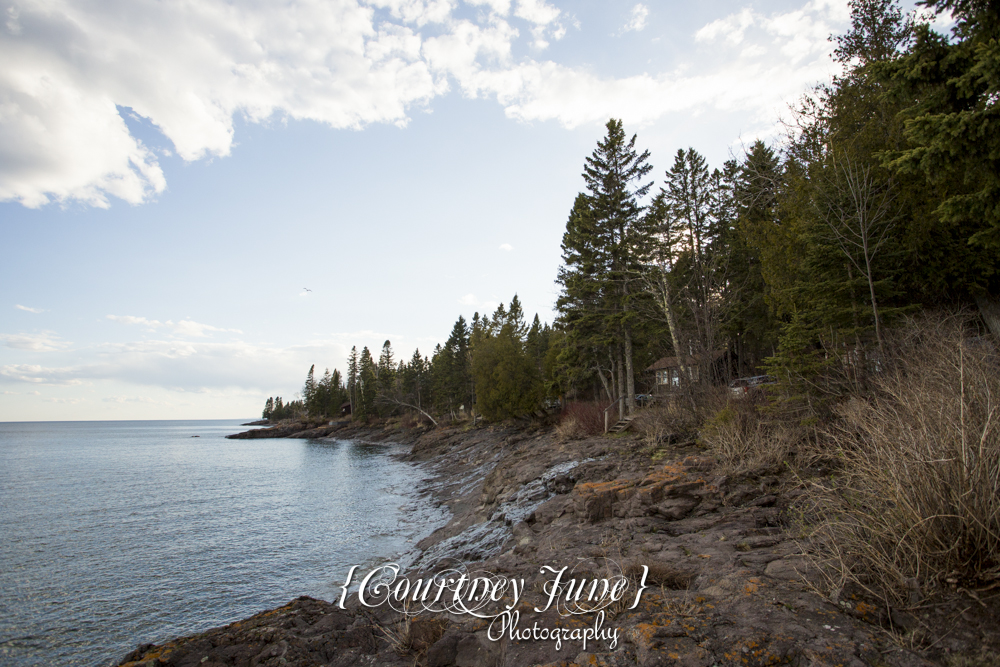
x,y
543,17
501,7
45,341
485,307
131,319
420,12
188,68
74,71
538,12
133,399
637,20
177,365
191,328
506,246
731,27
35,374
180,328
799,34
546,91
30,310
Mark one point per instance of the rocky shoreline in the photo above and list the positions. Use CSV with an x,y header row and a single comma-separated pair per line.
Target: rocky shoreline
x,y
728,582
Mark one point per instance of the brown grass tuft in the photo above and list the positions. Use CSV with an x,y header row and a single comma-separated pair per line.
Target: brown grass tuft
x,y
918,503
743,438
581,418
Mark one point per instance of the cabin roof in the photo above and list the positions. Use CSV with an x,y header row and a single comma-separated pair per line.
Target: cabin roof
x,y
672,362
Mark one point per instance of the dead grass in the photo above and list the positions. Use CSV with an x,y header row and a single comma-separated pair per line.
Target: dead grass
x,y
918,502
581,418
984,658
743,438
413,634
569,429
660,574
678,417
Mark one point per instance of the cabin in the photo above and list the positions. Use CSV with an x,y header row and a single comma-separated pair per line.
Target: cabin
x,y
666,373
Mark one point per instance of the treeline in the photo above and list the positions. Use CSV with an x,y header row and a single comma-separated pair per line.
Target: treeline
x,y
501,355
276,409
882,199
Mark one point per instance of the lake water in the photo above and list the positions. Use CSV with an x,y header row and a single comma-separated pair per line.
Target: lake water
x,y
119,533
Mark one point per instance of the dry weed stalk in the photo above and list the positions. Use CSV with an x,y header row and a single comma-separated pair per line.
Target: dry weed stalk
x,y
569,429
743,439
918,503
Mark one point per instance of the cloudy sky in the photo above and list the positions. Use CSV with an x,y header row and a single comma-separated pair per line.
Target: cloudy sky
x,y
175,176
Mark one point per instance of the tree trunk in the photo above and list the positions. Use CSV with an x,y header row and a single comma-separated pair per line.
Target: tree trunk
x,y
607,388
989,310
621,381
668,310
629,373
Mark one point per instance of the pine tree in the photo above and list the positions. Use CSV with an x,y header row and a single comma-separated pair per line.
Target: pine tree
x,y
367,385
309,395
352,378
951,88
412,379
602,250
507,380
386,373
450,366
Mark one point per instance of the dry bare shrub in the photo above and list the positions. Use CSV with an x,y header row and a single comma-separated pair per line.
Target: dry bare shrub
x,y
588,415
569,429
662,423
743,438
678,416
919,498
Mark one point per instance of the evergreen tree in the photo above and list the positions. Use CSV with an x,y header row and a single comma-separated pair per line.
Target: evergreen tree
x,y
352,378
309,395
949,89
386,373
602,250
413,378
367,386
749,321
451,369
507,379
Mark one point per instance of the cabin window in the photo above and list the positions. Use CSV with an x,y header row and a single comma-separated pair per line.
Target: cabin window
x,y
670,377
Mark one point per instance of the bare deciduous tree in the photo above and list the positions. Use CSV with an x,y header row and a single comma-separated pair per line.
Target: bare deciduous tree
x,y
858,212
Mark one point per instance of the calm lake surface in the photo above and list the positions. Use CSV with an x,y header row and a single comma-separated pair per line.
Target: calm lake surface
x,y
118,533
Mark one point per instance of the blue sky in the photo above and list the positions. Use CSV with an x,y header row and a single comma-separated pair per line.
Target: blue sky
x,y
173,175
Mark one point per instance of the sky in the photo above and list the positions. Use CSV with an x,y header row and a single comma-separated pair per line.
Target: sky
x,y
200,199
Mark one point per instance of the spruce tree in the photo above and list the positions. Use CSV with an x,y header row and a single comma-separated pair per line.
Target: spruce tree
x,y
352,378
507,380
309,392
386,373
367,385
950,88
602,250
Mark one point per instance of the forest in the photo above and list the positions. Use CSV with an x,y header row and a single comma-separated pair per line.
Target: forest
x,y
881,200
